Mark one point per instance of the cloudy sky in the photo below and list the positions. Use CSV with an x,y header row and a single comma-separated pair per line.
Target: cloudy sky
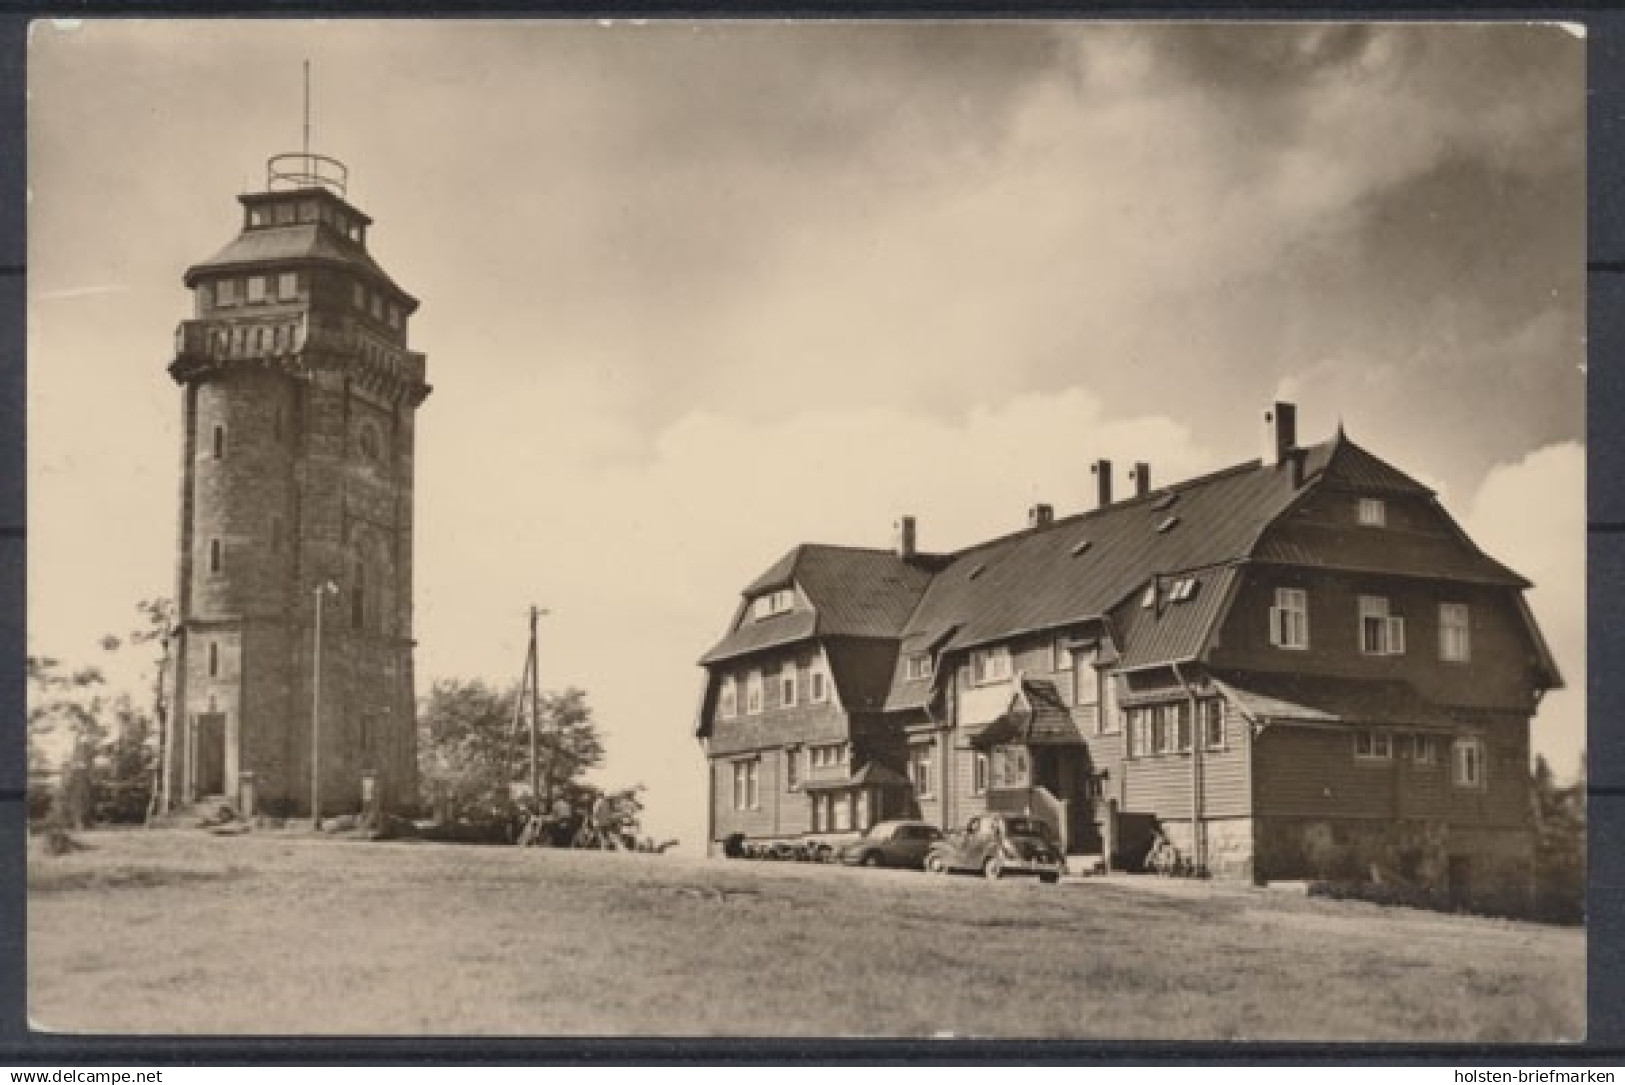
x,y
695,293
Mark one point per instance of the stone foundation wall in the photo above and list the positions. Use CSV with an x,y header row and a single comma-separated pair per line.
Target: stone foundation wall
x,y
1437,854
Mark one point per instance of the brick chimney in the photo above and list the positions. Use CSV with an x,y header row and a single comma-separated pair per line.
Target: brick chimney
x,y
1142,478
904,537
1280,433
1040,516
1102,470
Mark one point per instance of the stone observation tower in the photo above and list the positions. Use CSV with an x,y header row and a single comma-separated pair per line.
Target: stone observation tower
x,y
299,395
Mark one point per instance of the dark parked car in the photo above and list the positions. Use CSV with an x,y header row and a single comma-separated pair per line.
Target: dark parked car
x,y
1000,844
892,843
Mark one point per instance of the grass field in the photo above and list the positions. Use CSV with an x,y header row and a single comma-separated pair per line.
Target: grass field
x,y
183,932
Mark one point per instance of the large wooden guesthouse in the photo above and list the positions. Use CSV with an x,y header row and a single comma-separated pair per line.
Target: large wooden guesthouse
x,y
1296,667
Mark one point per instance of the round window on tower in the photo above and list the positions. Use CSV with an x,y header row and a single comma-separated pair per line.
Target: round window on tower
x,y
368,441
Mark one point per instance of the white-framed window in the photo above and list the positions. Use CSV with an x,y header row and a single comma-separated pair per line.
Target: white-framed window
x,y
1161,738
1381,633
978,773
1289,618
792,769
1183,590
1061,658
728,698
225,292
1424,750
257,217
919,771
1455,633
1139,732
287,286
842,820
1010,766
787,684
989,665
753,693
1372,745
747,784
774,602
1373,512
1212,712
817,683
917,666
256,289
1467,762
826,757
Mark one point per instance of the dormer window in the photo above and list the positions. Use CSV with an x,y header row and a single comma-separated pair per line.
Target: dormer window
x,y
1373,512
753,693
1183,590
776,602
225,292
256,289
287,286
918,666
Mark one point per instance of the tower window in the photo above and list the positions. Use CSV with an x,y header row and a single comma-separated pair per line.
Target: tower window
x,y
214,555
287,286
284,214
256,289
358,295
218,445
377,306
214,659
307,211
256,217
225,292
394,315
358,597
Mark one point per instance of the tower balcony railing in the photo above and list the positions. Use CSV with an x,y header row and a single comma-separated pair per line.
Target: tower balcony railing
x,y
306,170
222,340
286,336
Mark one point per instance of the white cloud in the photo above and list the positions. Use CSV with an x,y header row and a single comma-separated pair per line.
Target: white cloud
x,y
1531,515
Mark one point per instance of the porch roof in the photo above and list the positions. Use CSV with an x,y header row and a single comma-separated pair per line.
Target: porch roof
x,y
1315,699
1037,716
870,775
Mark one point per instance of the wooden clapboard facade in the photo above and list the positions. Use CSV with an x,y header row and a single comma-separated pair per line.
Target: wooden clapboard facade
x,y
1296,667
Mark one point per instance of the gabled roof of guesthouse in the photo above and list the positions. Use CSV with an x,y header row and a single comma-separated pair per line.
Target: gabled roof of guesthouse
x,y
1096,564
852,592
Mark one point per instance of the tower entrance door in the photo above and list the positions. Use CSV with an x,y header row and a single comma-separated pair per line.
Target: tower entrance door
x,y
211,754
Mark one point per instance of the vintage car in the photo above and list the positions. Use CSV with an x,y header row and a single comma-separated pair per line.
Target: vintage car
x,y
892,843
1000,844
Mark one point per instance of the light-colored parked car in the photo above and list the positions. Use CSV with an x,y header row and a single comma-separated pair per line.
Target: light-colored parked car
x,y
892,843
999,844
